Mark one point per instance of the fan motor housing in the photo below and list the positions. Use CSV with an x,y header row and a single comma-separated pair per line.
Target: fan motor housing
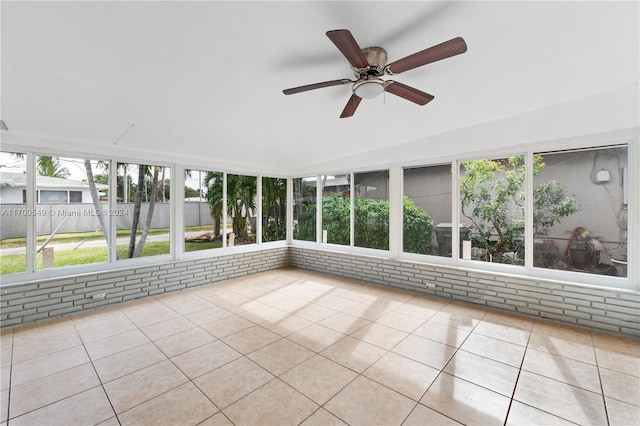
x,y
377,59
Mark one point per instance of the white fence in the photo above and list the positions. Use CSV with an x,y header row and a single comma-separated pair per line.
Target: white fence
x,y
83,217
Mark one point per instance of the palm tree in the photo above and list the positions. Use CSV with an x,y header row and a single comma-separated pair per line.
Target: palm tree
x,y
241,195
274,194
152,204
51,166
95,198
213,181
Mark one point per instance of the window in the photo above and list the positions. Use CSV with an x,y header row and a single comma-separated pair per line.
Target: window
x,y
241,208
14,215
492,202
426,210
143,210
371,215
580,210
53,196
304,208
274,209
336,209
75,196
71,234
203,210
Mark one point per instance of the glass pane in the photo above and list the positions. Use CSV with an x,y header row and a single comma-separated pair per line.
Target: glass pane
x,y
75,196
371,216
144,210
52,196
426,213
274,209
304,209
580,211
492,202
336,209
72,233
202,210
241,208
13,232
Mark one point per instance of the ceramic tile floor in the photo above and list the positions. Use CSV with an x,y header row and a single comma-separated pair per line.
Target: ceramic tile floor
x,y
293,347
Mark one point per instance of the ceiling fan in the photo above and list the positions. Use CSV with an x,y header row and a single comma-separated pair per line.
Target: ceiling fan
x,y
370,63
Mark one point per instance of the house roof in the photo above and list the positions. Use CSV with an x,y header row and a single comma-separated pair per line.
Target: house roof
x,y
201,82
9,179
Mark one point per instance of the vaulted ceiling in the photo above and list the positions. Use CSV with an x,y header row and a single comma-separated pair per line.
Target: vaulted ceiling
x,y
201,82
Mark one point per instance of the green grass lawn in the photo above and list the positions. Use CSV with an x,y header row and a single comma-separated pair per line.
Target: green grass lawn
x,y
78,237
13,263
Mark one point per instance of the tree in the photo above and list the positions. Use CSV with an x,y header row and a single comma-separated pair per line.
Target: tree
x,y
241,195
51,166
152,204
95,198
550,205
304,195
137,207
492,198
188,192
274,203
213,181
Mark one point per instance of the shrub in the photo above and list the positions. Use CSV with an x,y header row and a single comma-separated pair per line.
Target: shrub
x,y
417,228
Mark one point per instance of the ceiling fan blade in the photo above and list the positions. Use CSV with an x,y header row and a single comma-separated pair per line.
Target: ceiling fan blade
x,y
345,42
316,86
351,106
408,92
441,51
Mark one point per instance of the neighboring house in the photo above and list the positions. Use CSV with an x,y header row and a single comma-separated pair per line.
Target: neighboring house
x,y
49,189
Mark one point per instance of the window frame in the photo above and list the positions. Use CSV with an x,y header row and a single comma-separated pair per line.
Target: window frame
x,y
630,283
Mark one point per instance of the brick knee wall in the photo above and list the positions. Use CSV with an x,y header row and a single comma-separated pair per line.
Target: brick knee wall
x,y
40,300
611,310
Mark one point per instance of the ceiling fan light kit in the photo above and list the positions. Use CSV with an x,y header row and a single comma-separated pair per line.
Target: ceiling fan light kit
x,y
370,63
369,88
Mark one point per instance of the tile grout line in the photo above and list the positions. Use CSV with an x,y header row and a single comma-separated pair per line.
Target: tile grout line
x,y
604,399
9,390
177,367
515,386
441,372
96,373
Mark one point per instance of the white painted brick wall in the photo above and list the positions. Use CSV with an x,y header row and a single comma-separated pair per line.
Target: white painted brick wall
x,y
35,301
604,309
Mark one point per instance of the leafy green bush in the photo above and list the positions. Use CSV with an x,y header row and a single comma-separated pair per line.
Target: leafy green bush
x,y
305,229
336,218
371,220
417,228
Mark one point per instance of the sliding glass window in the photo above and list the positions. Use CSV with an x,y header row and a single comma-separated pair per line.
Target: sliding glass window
x,y
74,195
492,201
426,210
371,215
14,215
274,209
336,209
580,210
203,210
143,213
304,208
241,208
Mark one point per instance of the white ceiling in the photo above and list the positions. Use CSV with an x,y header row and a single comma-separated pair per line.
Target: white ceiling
x,y
201,82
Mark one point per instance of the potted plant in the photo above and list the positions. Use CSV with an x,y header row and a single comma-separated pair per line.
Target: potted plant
x,y
583,251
